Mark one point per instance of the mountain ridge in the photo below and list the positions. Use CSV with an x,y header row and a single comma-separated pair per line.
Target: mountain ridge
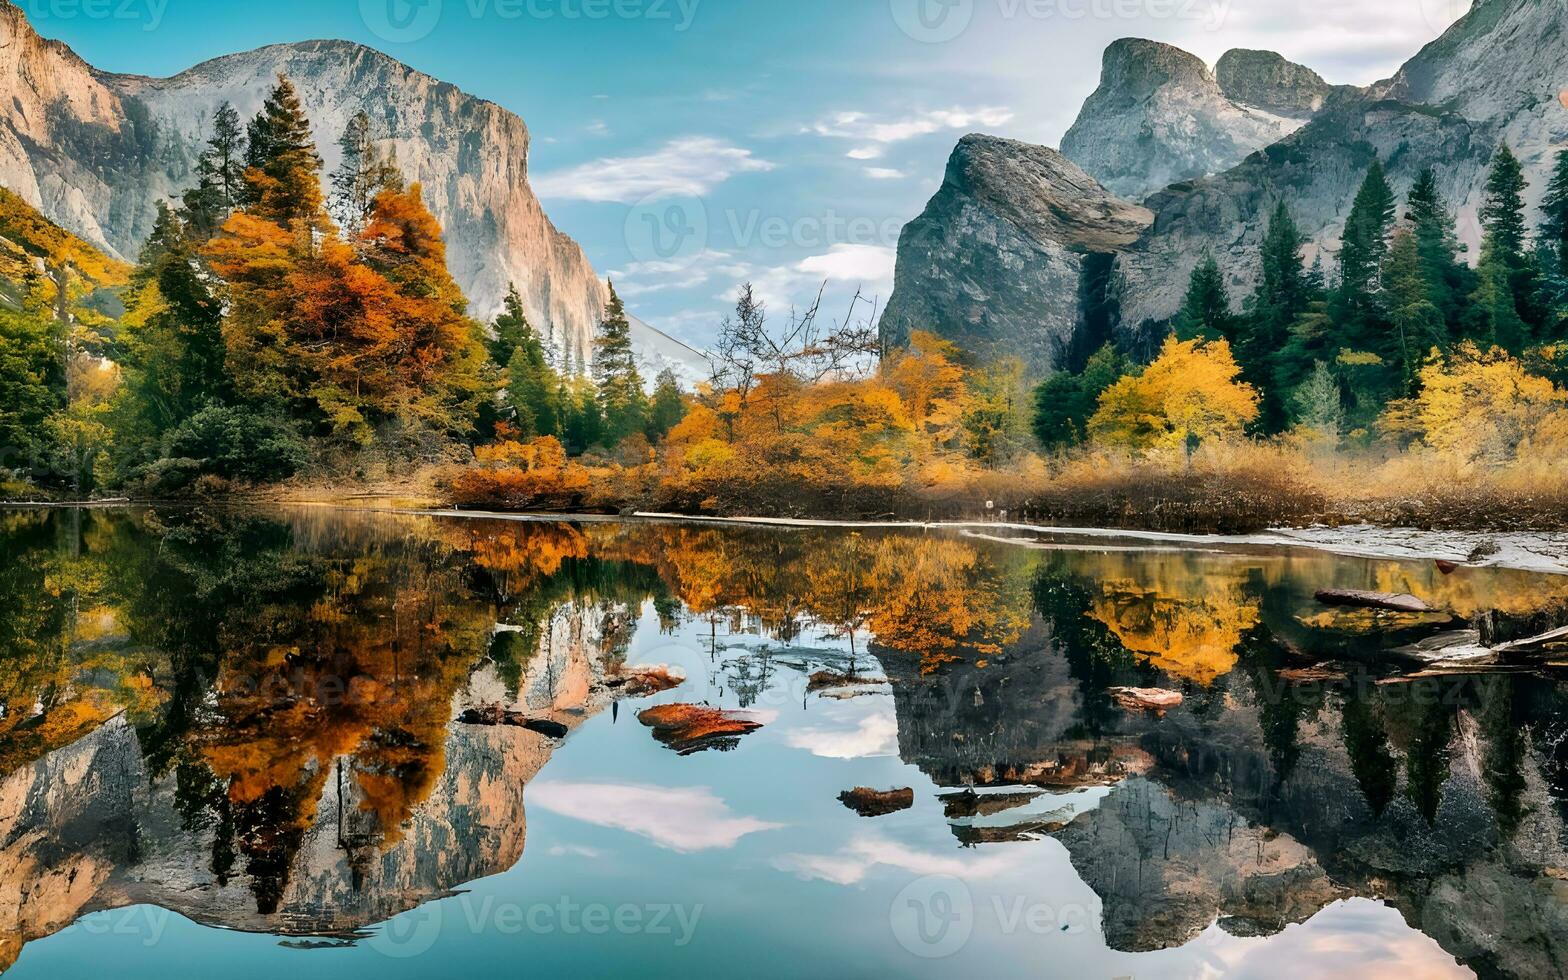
x,y
94,151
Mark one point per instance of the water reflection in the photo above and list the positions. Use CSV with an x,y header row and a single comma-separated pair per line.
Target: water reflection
x,y
249,719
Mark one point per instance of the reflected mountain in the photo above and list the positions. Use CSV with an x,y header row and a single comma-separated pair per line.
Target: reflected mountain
x,y
254,718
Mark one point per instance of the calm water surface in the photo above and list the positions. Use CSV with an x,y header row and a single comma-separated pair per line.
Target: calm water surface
x,y
231,744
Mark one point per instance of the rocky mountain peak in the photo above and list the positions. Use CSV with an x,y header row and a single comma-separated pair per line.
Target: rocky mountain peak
x,y
1266,80
96,151
1159,116
1012,222
1043,193
1134,68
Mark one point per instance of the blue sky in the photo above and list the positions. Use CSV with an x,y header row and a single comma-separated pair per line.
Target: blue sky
x,y
693,144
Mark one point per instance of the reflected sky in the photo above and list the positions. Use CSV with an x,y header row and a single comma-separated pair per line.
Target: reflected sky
x,y
232,751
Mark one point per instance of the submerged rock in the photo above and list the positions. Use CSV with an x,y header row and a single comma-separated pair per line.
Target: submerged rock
x,y
1145,698
1356,598
496,715
877,803
689,728
640,682
824,679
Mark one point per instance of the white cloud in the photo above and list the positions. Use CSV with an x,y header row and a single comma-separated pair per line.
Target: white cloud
x,y
689,166
685,820
870,264
885,173
782,288
874,134
659,276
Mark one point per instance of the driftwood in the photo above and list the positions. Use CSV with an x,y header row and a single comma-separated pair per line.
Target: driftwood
x,y
1357,599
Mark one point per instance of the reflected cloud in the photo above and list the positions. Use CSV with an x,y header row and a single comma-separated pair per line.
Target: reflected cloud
x,y
685,819
876,735
851,864
1358,937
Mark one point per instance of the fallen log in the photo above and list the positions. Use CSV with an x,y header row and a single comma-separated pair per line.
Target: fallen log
x,y
1355,598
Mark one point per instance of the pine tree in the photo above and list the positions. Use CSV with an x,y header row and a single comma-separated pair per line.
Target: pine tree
x,y
1496,309
1205,312
622,401
1319,404
1416,324
1064,402
1284,294
532,384
363,172
1502,214
668,406
1554,224
511,328
1355,303
282,182
1448,279
220,175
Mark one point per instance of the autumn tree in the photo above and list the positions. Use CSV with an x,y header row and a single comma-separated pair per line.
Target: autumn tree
x,y
1191,392
1480,405
1064,403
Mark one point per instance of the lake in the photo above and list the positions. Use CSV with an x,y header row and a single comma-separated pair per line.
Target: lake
x,y
325,743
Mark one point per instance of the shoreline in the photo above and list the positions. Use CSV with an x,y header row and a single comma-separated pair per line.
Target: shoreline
x,y
1544,552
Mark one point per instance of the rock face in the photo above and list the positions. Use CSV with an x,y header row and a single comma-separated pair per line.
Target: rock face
x,y
1493,77
95,152
1011,225
88,827
1265,80
1160,116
